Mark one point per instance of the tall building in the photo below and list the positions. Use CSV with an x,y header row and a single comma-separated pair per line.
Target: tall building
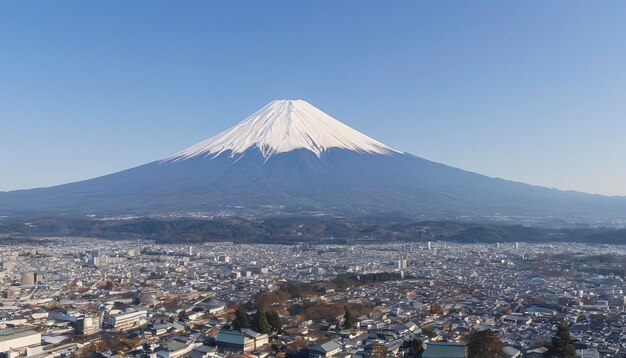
x,y
148,297
28,278
91,258
32,278
89,324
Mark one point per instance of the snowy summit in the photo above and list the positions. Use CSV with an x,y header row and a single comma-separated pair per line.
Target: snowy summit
x,y
282,126
324,167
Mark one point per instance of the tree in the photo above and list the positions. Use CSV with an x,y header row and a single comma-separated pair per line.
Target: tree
x,y
349,319
259,322
435,309
183,316
107,285
481,344
416,346
120,306
241,318
429,331
274,320
562,345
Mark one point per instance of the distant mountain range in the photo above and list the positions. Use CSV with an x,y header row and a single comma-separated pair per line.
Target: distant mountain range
x,y
287,230
291,158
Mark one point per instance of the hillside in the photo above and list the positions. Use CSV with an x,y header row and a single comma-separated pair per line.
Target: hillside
x,y
288,230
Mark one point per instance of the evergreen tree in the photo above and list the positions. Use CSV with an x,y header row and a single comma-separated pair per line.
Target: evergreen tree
x,y
274,320
259,322
429,331
349,319
415,347
562,345
482,344
241,318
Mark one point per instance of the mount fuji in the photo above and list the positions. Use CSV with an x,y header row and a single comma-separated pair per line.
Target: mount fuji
x,y
291,158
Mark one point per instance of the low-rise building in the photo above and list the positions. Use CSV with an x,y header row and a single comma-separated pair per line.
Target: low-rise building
x,y
127,320
15,343
245,341
445,350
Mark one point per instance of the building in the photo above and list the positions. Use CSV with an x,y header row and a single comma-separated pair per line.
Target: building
x,y
28,278
245,341
148,297
511,352
444,350
177,347
327,349
211,307
84,323
376,350
127,320
203,352
15,343
32,278
88,324
588,353
91,258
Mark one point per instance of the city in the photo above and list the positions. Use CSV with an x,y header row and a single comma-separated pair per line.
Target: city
x,y
78,296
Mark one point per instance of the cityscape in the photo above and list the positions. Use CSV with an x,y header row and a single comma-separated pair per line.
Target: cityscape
x,y
77,296
312,179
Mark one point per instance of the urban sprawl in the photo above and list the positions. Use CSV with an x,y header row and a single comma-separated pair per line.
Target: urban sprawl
x,y
79,297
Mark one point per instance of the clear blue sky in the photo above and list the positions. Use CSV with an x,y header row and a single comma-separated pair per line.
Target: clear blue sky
x,y
533,91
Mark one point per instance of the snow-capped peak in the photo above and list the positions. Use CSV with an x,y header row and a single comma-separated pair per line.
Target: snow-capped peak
x,y
282,126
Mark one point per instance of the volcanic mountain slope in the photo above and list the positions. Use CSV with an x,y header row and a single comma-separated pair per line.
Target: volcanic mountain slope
x,y
290,157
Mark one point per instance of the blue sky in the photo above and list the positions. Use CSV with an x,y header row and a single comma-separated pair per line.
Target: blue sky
x,y
531,91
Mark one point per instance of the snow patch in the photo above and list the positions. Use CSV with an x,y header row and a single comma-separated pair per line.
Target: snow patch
x,y
282,126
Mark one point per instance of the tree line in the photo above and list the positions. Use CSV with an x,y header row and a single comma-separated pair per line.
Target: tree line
x,y
261,321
